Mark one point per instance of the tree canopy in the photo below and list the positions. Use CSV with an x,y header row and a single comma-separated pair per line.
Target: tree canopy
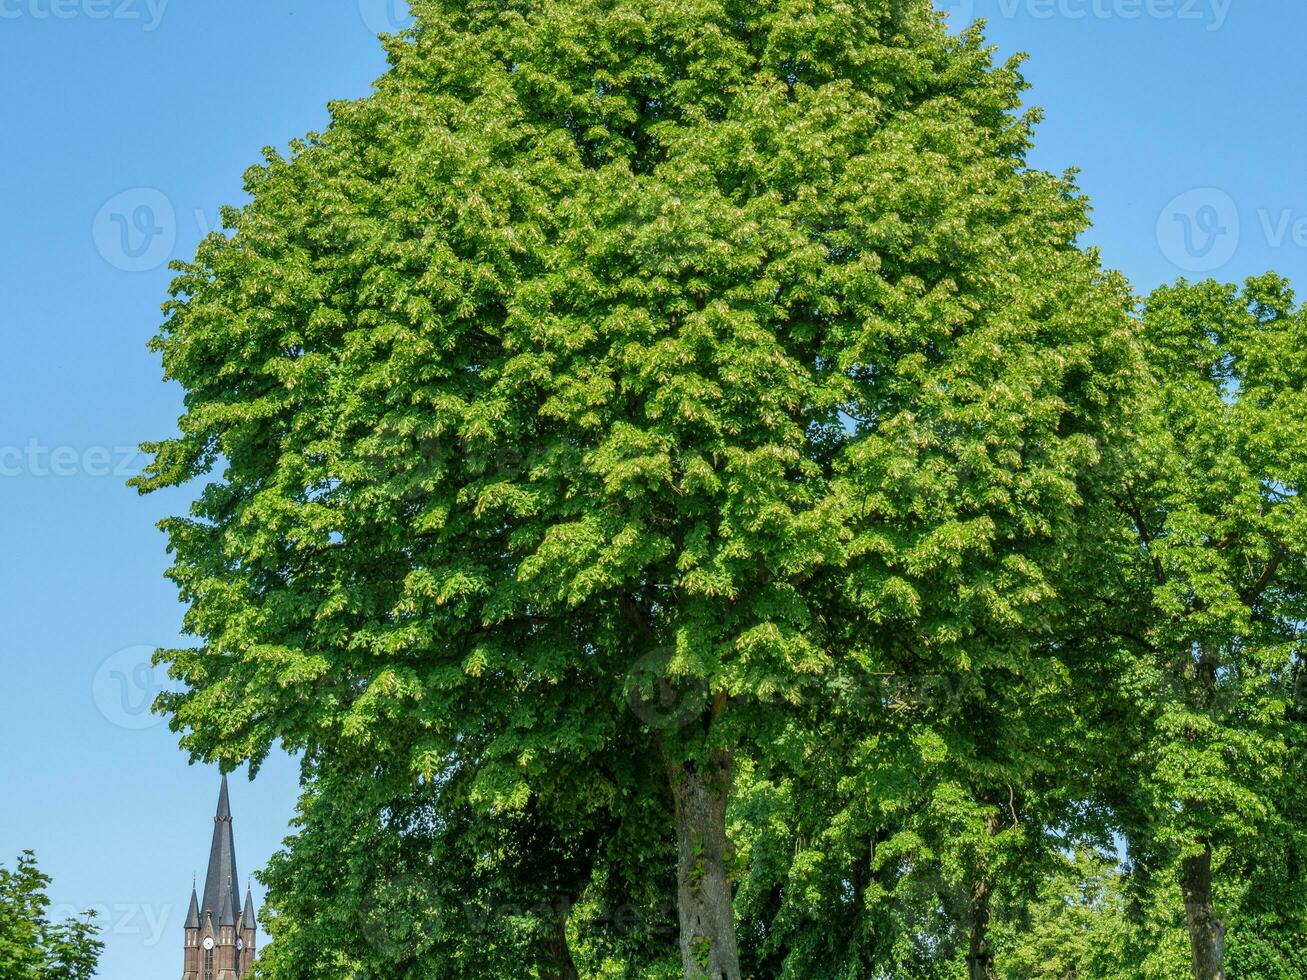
x,y
694,420
31,946
1218,538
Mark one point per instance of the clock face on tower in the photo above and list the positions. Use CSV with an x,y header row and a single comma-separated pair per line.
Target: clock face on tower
x,y
208,942
240,944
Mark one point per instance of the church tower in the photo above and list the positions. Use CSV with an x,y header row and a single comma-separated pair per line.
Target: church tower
x,y
221,931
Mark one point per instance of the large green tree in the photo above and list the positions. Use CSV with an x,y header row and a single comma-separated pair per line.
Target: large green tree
x,y
31,946
615,349
1208,725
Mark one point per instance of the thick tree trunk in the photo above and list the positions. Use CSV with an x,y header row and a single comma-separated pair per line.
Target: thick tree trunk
x,y
980,957
1206,931
707,914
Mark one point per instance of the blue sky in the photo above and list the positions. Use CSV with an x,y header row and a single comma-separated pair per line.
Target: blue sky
x,y
126,123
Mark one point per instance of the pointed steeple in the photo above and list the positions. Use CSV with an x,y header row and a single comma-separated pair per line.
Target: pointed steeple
x,y
219,884
193,916
247,916
224,801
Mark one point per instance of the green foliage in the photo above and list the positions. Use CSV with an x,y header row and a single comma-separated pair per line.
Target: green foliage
x,y
625,385
390,880
1267,950
1226,533
1209,746
1079,924
1074,926
32,947
673,314
1088,920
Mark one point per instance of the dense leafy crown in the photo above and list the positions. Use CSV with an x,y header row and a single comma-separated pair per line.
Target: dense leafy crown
x,y
31,946
1215,499
606,330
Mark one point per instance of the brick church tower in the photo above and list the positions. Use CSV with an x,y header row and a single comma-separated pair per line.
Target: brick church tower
x,y
221,933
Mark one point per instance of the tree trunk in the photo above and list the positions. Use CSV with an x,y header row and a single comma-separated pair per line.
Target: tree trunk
x,y
707,914
558,963
1206,931
980,958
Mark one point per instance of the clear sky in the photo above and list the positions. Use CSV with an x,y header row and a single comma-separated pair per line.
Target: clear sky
x,y
124,124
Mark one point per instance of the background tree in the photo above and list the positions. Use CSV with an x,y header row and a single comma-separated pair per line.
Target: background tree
x,y
385,878
1209,727
1075,927
913,832
615,336
31,946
